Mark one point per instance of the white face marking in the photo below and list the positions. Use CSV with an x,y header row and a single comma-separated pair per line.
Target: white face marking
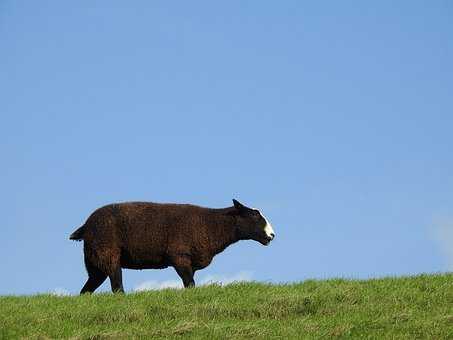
x,y
268,227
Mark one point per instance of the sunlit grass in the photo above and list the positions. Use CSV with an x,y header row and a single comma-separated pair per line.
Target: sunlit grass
x,y
407,307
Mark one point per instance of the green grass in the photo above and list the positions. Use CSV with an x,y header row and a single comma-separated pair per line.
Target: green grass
x,y
407,307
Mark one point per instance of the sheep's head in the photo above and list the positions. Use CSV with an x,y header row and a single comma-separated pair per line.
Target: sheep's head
x,y
252,225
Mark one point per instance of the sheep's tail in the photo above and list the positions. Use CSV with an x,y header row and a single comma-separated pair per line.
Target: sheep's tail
x,y
78,234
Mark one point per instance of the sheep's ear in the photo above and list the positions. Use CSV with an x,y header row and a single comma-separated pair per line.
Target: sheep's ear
x,y
238,205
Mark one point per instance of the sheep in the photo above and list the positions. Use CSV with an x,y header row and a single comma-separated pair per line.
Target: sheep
x,y
146,235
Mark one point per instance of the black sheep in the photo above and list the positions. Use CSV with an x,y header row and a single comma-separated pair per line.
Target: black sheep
x,y
145,235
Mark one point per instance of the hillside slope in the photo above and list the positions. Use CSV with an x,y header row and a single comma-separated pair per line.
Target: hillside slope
x,y
407,307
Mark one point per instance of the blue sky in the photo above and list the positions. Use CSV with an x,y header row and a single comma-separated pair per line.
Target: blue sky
x,y
334,118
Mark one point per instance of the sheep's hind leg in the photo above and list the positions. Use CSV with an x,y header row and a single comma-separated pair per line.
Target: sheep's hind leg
x,y
116,281
95,279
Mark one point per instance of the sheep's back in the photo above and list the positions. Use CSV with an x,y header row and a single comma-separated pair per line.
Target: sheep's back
x,y
153,229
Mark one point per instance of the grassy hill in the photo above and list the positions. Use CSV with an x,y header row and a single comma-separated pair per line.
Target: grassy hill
x,y
407,307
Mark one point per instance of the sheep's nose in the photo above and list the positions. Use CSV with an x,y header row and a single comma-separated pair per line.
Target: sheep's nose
x,y
272,235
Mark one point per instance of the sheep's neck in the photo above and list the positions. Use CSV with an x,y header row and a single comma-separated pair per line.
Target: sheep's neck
x,y
224,235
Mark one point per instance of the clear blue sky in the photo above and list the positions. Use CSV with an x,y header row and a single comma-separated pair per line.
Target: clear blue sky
x,y
334,118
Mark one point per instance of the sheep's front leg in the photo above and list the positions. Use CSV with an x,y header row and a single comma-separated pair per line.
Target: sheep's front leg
x,y
183,267
116,281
